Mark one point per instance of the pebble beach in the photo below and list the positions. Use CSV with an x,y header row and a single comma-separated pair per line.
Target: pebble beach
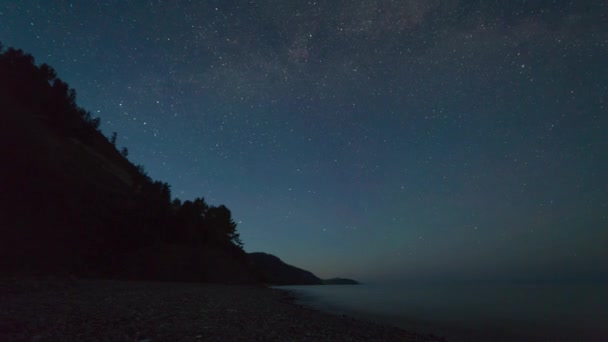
x,y
109,310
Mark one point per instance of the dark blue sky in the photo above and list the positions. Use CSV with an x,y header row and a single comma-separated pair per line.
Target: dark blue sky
x,y
375,138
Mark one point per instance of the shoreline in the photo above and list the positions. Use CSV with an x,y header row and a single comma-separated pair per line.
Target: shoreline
x,y
433,331
454,327
53,309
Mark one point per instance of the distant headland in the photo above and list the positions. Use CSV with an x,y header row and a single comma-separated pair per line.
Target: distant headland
x,y
340,281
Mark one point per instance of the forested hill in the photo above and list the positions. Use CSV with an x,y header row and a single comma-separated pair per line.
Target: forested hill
x,y
72,203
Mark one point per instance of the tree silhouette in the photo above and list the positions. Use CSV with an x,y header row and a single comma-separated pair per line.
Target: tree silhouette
x,y
113,138
39,91
191,215
221,225
124,152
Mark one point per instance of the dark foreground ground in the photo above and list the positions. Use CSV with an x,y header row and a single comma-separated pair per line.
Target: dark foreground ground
x,y
103,310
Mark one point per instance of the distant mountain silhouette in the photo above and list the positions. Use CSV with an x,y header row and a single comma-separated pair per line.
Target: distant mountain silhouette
x,y
274,271
340,281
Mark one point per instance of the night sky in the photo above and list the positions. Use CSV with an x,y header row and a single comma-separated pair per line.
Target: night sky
x,y
374,139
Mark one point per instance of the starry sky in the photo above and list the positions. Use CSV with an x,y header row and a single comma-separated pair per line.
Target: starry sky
x,y
374,139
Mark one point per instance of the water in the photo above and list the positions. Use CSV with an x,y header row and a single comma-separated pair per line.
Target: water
x,y
473,313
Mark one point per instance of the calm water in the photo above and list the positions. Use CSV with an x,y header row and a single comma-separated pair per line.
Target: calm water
x,y
465,313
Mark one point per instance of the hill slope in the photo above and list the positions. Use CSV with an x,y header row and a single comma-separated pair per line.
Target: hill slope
x,y
274,271
71,203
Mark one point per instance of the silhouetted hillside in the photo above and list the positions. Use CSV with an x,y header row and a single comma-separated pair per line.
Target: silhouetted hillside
x,y
72,203
274,271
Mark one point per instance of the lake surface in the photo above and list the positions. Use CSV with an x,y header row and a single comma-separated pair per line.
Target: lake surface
x,y
471,313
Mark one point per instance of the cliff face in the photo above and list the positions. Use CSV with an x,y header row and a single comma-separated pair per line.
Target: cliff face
x,y
274,271
59,195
